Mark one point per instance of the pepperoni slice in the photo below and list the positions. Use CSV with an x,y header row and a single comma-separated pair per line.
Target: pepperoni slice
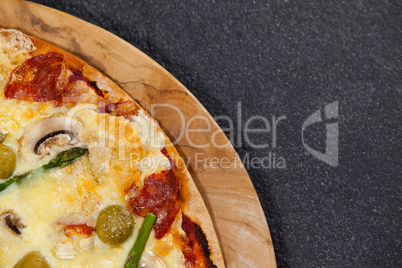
x,y
36,79
160,196
41,78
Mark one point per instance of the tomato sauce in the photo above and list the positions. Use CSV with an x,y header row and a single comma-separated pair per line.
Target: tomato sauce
x,y
81,229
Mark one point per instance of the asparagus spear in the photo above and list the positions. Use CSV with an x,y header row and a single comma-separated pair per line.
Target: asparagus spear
x,y
4,185
142,238
62,160
65,158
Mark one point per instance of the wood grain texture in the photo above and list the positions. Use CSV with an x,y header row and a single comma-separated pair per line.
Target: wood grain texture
x,y
227,191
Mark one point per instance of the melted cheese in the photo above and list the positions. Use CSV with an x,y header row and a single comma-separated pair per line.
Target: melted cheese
x,y
45,202
148,132
121,153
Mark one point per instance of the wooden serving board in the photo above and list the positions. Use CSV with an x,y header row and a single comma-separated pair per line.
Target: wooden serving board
x,y
227,190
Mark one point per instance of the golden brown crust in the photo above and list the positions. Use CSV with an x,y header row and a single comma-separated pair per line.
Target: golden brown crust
x,y
192,203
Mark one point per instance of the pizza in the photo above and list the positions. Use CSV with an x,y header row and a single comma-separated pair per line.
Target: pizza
x,y
87,177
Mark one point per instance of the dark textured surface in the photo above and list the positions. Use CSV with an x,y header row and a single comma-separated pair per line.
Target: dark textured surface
x,y
291,58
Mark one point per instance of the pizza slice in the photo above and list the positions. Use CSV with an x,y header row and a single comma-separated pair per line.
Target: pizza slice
x,y
88,178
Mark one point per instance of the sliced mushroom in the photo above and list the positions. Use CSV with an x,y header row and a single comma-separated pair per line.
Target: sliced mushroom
x,y
13,221
57,130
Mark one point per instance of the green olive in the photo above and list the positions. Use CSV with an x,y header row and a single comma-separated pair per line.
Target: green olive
x,y
33,259
115,224
7,161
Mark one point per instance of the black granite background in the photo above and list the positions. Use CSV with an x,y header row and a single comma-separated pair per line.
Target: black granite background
x,y
290,58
